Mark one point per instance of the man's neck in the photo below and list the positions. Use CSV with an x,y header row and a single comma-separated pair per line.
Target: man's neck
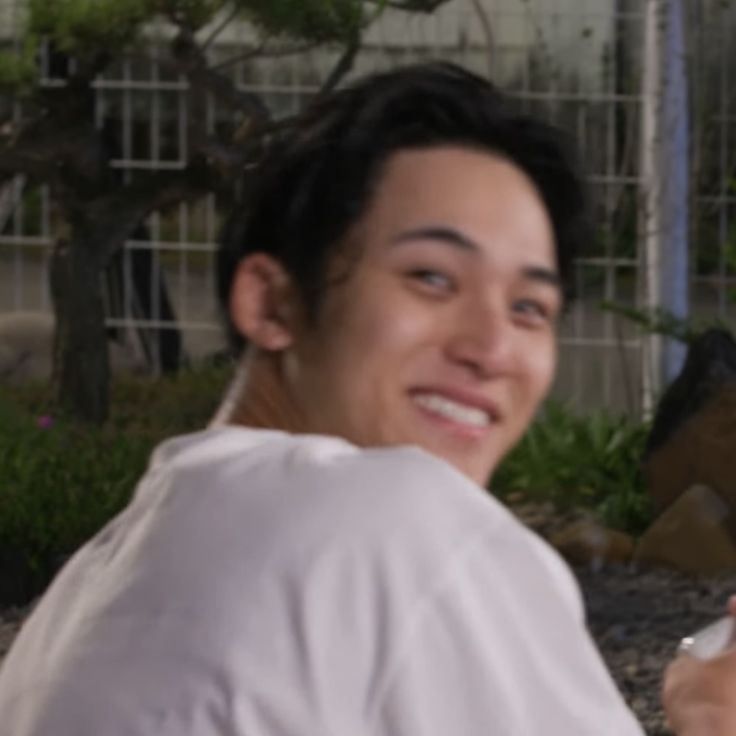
x,y
258,397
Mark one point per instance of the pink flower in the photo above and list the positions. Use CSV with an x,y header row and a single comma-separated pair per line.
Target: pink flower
x,y
45,421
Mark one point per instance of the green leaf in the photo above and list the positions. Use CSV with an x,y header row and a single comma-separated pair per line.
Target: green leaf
x,y
18,69
315,20
590,461
89,26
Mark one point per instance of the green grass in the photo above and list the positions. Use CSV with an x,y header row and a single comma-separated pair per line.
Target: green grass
x,y
591,462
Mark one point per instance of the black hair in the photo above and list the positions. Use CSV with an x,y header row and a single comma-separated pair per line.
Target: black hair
x,y
318,173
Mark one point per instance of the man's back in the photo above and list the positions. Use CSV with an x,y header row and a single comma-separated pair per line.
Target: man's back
x,y
273,584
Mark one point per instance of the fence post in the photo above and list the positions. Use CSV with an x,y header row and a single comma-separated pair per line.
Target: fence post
x,y
664,187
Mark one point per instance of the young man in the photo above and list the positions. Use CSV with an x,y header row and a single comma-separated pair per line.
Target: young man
x,y
324,559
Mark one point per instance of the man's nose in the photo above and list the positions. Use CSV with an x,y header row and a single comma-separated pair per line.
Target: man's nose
x,y
482,341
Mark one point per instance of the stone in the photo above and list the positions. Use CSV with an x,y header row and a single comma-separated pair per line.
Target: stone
x,y
693,436
515,498
692,535
710,365
542,517
703,451
585,541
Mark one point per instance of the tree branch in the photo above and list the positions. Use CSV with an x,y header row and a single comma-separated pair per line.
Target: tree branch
x,y
228,159
487,28
411,6
342,67
59,133
220,27
114,217
255,51
20,160
191,63
262,51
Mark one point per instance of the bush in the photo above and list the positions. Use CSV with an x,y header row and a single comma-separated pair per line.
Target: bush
x,y
60,482
168,406
592,462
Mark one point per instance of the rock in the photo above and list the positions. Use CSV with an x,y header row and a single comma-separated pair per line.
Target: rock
x,y
26,348
703,451
710,365
693,436
542,517
516,498
693,535
587,542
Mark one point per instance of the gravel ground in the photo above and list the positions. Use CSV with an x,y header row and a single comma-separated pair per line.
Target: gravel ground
x,y
637,618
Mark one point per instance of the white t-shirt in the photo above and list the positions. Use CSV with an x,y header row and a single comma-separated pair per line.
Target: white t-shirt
x,y
267,584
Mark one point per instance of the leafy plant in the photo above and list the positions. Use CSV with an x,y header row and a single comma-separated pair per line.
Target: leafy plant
x,y
61,481
591,462
58,486
18,69
91,26
663,322
317,20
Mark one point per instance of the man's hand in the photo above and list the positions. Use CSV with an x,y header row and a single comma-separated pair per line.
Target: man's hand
x,y
699,696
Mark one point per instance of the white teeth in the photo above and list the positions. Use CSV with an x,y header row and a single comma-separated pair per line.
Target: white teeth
x,y
452,410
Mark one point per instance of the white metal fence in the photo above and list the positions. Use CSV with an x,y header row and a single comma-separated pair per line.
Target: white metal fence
x,y
576,62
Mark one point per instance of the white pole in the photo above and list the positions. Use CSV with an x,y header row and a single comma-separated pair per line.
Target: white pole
x,y
674,168
664,188
650,223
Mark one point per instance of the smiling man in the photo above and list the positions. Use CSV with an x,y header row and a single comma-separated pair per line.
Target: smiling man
x,y
324,559
442,331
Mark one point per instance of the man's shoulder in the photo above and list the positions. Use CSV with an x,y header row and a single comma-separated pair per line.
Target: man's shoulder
x,y
310,470
297,484
247,458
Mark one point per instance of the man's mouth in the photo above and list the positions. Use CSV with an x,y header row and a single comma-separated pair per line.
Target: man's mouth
x,y
453,411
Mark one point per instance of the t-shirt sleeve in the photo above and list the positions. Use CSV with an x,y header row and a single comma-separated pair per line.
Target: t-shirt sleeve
x,y
499,647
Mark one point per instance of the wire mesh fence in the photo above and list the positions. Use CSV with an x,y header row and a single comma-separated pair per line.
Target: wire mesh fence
x,y
577,63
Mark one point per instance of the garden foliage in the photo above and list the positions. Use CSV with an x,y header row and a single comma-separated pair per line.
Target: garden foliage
x,y
60,481
591,461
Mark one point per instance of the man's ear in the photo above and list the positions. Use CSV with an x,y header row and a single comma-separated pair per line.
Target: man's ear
x,y
262,302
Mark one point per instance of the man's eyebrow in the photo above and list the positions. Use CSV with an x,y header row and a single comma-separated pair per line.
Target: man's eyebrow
x,y
544,275
447,235
455,238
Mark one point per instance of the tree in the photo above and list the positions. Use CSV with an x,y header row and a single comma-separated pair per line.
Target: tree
x,y
58,144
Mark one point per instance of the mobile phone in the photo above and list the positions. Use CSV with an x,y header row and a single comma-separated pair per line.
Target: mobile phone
x,y
711,640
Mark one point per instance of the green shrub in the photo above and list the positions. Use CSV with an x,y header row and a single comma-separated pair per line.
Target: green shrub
x,y
168,406
592,462
58,485
60,482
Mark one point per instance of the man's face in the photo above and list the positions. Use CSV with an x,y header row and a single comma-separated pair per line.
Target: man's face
x,y
443,333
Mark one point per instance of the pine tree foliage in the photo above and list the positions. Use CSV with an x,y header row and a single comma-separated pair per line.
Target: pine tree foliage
x,y
56,142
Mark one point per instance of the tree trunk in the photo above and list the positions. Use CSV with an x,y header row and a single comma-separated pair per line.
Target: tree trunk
x,y
81,364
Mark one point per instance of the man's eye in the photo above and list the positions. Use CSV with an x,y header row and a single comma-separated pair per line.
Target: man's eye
x,y
533,309
435,279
